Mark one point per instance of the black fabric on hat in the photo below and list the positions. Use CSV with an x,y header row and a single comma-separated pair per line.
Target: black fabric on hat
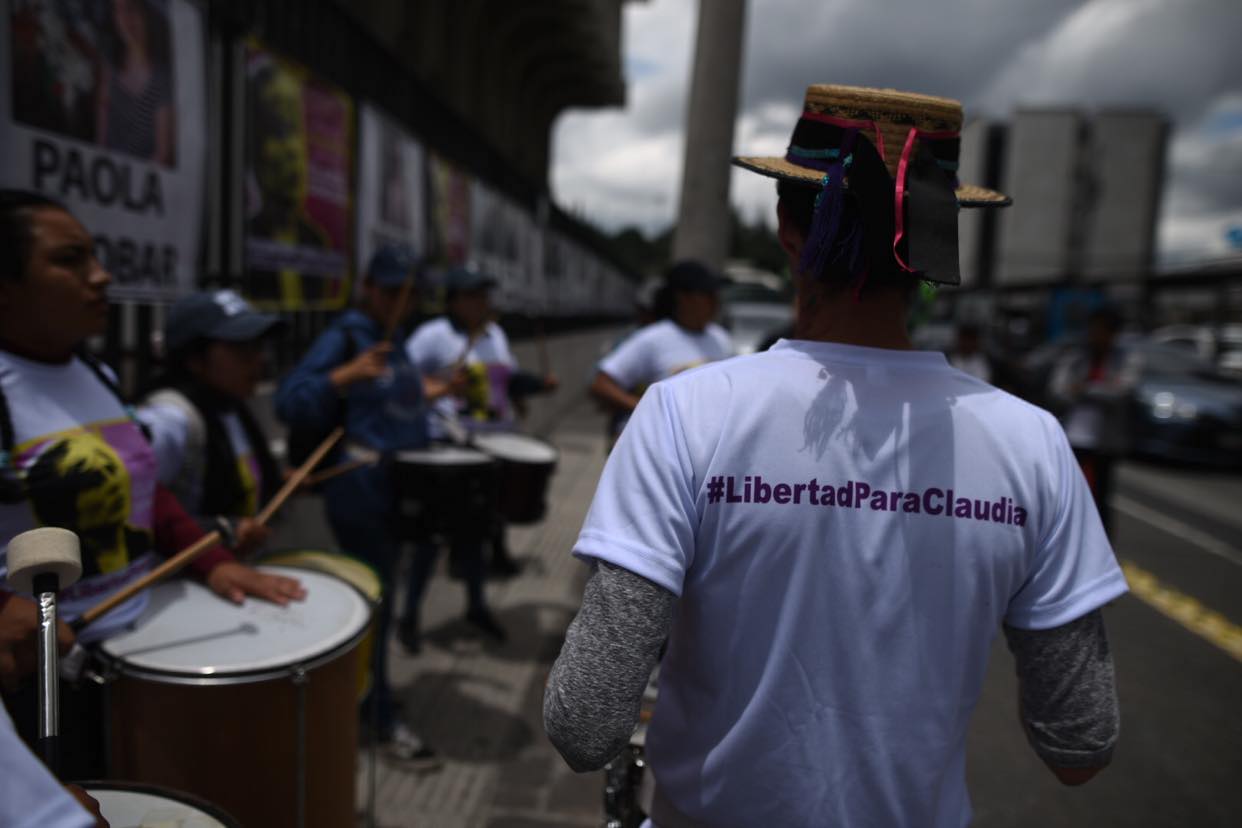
x,y
929,240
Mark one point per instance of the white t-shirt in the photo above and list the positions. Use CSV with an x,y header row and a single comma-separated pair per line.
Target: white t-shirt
x,y
846,528
437,346
88,468
30,797
661,350
178,436
976,364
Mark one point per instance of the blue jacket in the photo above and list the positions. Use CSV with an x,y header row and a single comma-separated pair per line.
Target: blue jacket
x,y
386,414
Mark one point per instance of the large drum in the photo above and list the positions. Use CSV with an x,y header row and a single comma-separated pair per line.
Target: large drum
x,y
446,491
252,706
358,574
130,805
526,465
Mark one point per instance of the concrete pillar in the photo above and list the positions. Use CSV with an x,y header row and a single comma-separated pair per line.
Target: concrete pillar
x,y
703,215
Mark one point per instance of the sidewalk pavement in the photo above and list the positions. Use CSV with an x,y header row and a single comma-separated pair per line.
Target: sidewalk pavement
x,y
478,703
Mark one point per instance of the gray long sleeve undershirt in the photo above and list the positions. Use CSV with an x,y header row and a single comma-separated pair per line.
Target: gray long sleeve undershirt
x,y
590,708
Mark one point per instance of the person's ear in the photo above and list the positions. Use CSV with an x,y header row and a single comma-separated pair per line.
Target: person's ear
x,y
788,235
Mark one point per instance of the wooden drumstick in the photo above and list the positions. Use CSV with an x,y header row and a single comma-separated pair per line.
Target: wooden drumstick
x,y
394,318
187,555
338,470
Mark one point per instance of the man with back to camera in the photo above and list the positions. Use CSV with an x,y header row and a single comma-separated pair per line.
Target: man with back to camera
x,y
829,534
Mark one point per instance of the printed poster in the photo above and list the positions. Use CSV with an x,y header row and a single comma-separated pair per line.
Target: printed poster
x,y
299,187
390,187
103,107
450,211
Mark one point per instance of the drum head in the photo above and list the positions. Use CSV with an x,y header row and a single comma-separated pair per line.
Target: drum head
x,y
187,631
127,805
444,456
349,569
516,448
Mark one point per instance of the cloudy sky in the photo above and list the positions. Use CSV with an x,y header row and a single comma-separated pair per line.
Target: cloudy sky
x,y
623,167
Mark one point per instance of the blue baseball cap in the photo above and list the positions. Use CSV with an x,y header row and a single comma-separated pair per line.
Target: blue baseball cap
x,y
221,314
390,266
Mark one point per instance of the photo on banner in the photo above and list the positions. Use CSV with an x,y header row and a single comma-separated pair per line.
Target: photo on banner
x,y
497,244
391,201
103,107
299,185
450,212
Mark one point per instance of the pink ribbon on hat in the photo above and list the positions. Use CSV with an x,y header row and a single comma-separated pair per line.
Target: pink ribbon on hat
x,y
899,187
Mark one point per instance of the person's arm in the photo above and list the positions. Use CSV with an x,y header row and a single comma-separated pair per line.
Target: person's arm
x,y
30,797
175,529
307,398
605,389
1067,695
595,690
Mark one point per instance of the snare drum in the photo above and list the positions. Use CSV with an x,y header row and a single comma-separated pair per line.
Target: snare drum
x,y
361,576
252,706
526,465
446,491
130,805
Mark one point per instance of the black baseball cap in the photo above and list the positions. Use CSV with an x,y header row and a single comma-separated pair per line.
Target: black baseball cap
x,y
466,278
692,275
221,314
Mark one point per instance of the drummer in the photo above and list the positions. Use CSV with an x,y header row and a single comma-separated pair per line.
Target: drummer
x,y
74,457
353,376
211,452
688,338
466,338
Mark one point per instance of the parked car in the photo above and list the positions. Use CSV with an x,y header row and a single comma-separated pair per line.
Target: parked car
x,y
1221,345
1185,409
1182,408
752,312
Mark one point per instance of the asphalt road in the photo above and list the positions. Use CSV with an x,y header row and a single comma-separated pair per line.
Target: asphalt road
x,y
1177,642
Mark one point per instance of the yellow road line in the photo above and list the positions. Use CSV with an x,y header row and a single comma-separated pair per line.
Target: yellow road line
x,y
1203,622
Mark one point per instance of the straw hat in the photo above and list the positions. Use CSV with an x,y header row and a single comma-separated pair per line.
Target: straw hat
x,y
885,117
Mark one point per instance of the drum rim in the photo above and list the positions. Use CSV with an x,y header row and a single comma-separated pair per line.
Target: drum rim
x,y
262,560
118,666
210,808
481,458
508,435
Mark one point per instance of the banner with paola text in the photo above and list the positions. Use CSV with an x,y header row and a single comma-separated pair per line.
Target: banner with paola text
x,y
103,108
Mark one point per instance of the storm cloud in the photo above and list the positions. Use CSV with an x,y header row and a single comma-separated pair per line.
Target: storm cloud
x,y
1181,57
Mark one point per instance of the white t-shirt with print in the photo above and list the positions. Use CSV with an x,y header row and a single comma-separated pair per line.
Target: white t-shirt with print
x,y
846,528
662,350
175,437
438,345
90,470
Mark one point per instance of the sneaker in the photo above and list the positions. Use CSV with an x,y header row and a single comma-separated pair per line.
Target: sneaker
x,y
404,744
485,622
